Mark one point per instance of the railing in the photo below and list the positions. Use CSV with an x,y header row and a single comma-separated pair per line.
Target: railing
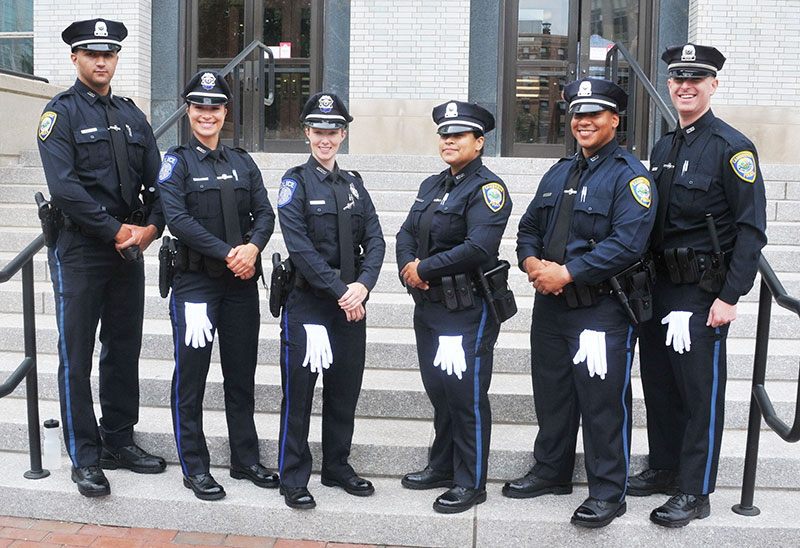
x,y
612,73
27,368
760,403
255,81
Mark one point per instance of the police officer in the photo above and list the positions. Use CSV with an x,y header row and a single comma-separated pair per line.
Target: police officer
x,y
216,205
101,161
711,187
335,242
590,220
453,230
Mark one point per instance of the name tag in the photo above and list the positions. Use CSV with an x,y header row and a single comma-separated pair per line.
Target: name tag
x,y
88,130
316,202
199,178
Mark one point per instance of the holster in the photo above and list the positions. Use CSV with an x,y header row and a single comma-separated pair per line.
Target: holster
x,y
282,281
637,283
51,219
166,265
499,297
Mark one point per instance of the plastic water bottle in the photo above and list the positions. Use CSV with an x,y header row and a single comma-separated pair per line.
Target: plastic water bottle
x,y
51,455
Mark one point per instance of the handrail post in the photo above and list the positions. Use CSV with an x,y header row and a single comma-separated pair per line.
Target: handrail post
x,y
31,382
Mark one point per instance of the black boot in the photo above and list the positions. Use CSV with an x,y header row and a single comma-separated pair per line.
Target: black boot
x,y
681,509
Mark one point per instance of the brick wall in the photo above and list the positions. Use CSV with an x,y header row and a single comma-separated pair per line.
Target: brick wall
x,y
51,54
409,49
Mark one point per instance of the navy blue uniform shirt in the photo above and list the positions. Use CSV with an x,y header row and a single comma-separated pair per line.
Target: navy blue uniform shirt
x,y
190,190
717,172
615,206
466,228
307,213
78,159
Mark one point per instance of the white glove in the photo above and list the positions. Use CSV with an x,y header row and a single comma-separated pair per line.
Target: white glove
x,y
318,348
450,355
198,326
678,330
592,349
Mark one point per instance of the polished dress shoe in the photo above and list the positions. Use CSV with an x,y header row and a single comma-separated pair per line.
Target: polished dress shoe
x,y
597,513
133,458
653,481
91,481
354,485
530,486
681,509
256,473
205,487
458,499
427,479
297,497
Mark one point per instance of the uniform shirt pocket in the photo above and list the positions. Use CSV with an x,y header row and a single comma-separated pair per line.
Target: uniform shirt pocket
x,y
323,224
241,186
449,225
690,194
592,218
203,197
93,146
136,146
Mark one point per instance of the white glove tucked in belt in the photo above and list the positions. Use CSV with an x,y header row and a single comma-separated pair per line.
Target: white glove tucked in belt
x,y
678,330
318,348
592,349
450,355
198,326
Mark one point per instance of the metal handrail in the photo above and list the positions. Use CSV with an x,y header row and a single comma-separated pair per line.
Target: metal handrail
x,y
27,368
255,44
612,72
760,403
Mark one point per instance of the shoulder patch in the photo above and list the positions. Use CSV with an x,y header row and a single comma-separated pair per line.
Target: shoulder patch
x,y
167,165
744,165
46,124
494,195
640,188
286,191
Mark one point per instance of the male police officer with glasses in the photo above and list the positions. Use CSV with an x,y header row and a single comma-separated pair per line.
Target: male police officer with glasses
x,y
707,240
101,162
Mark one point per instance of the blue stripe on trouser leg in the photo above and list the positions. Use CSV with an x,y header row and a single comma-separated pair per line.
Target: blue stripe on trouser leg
x,y
625,389
60,295
286,393
478,438
177,384
712,422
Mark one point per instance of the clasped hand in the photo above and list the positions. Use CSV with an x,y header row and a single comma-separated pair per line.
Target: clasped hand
x,y
129,235
241,260
352,301
411,276
546,276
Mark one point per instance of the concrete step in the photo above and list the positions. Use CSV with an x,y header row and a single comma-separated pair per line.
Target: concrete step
x,y
392,447
389,393
393,516
392,348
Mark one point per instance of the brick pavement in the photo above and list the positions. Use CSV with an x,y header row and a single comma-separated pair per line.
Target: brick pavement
x,y
39,533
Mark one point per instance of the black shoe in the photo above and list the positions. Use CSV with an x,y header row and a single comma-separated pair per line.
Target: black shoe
x,y
653,481
427,479
297,497
354,485
681,509
597,513
205,487
256,473
91,481
133,458
458,499
530,486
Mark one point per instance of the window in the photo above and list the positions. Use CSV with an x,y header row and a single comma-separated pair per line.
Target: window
x,y
16,35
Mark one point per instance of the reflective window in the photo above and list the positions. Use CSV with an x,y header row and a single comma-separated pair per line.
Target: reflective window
x,y
16,35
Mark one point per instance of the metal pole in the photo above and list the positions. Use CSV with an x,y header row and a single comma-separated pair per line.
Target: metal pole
x,y
31,385
745,506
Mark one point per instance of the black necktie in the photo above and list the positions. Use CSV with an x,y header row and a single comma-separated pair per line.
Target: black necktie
x,y
230,211
344,207
557,246
120,147
666,176
427,216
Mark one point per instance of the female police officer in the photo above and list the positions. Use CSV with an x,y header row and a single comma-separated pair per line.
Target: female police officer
x,y
453,230
336,245
216,205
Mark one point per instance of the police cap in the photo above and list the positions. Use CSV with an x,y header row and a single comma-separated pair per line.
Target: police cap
x,y
459,117
95,35
594,95
207,87
693,61
325,111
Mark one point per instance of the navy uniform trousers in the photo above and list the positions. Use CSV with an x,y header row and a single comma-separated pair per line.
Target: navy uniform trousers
x,y
681,438
564,394
91,283
341,385
462,417
233,310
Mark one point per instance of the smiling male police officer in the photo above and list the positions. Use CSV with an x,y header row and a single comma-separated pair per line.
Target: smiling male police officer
x,y
711,219
101,162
